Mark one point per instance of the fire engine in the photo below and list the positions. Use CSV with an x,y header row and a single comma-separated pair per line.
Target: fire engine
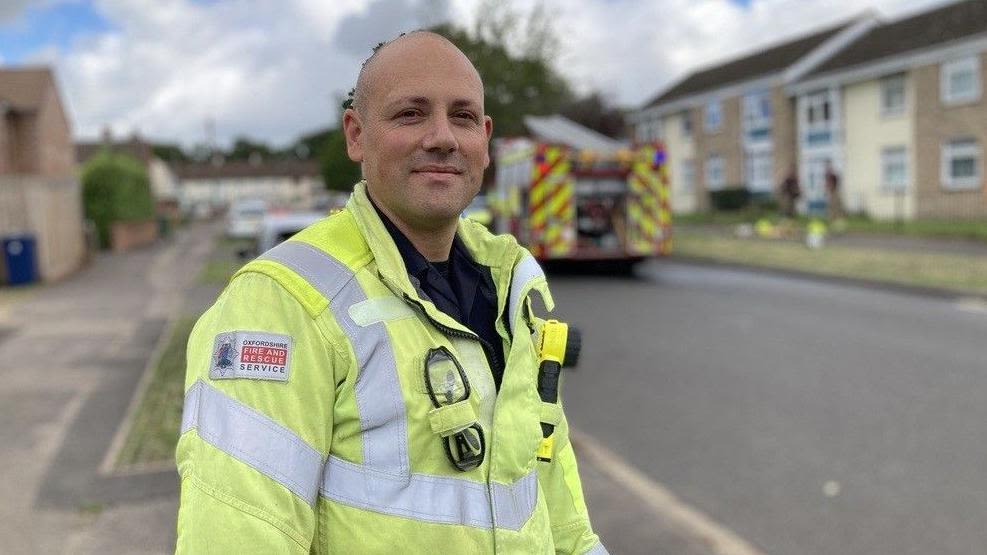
x,y
578,204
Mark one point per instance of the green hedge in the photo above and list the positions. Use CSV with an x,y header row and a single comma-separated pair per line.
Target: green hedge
x,y
733,198
115,188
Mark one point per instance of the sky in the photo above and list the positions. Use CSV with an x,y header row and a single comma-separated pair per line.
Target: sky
x,y
277,69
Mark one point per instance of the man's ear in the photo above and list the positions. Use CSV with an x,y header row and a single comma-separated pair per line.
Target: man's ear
x,y
352,129
488,129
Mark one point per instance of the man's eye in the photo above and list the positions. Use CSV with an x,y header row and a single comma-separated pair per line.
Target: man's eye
x,y
409,113
467,116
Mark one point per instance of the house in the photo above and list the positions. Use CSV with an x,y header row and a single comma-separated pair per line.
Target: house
x,y
40,194
732,125
205,188
901,112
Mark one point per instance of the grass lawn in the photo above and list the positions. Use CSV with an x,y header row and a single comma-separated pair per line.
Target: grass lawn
x,y
154,432
962,273
954,228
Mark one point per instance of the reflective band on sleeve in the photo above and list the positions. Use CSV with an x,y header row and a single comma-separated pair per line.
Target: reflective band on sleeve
x,y
525,271
378,391
598,549
253,438
432,498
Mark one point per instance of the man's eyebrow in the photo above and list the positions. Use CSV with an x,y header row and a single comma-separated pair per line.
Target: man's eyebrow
x,y
405,100
457,104
464,103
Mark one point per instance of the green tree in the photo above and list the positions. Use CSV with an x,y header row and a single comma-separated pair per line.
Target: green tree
x,y
244,147
338,171
115,187
514,55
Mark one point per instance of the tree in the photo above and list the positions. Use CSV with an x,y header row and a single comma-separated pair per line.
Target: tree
x,y
338,171
115,187
245,147
517,73
593,112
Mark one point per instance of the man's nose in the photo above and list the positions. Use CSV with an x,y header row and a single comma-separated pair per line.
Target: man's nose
x,y
440,136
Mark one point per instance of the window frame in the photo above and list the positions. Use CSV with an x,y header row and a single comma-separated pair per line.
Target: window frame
x,y
721,183
950,97
887,82
707,125
949,152
887,154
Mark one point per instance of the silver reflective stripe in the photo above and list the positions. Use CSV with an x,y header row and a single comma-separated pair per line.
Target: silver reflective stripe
x,y
598,549
432,498
384,482
253,438
525,271
378,391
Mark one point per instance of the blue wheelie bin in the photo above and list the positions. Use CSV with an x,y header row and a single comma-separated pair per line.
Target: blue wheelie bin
x,y
19,256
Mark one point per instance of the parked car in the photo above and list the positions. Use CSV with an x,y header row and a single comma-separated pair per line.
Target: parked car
x,y
276,228
244,218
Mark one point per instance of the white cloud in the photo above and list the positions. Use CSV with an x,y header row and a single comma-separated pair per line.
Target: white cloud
x,y
272,69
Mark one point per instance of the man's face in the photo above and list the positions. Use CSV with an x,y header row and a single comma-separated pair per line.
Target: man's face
x,y
421,134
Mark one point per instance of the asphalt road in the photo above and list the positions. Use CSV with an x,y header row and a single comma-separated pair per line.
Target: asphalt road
x,y
808,417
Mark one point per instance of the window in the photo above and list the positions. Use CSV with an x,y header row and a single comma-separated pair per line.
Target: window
x,y
894,169
960,167
959,81
714,173
757,115
817,109
649,131
714,116
688,176
893,95
758,168
686,124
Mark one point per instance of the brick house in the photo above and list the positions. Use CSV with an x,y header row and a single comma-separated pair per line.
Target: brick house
x,y
732,124
902,113
39,190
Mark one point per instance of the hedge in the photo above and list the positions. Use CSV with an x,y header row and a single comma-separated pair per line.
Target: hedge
x,y
115,188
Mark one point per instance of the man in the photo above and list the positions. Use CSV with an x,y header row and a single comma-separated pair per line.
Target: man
x,y
834,200
370,386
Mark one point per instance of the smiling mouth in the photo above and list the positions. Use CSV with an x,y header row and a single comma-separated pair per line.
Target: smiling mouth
x,y
438,169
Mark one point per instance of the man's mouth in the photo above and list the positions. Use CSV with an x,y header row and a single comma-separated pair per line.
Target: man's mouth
x,y
437,169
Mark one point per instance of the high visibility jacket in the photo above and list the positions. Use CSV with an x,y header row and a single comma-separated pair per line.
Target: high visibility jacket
x,y
308,425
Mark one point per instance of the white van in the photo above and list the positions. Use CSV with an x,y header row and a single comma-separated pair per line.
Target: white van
x,y
245,217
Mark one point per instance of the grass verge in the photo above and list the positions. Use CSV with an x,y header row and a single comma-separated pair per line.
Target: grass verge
x,y
154,432
961,273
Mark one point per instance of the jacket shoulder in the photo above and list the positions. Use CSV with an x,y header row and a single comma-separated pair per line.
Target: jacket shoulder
x,y
317,262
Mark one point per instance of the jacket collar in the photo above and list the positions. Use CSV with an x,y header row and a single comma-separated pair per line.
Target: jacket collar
x,y
500,252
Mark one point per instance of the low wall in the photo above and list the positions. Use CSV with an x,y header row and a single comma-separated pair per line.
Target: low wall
x,y
125,236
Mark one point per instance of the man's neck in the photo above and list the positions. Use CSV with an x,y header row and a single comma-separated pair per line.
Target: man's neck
x,y
434,243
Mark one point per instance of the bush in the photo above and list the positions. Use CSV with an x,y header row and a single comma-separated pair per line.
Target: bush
x,y
115,188
730,199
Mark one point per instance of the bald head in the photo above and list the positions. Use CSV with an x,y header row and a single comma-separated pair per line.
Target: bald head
x,y
411,49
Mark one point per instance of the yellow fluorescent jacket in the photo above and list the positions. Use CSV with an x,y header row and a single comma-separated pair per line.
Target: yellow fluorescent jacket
x,y
307,424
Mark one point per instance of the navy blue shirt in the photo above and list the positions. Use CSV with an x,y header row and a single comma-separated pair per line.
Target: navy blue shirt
x,y
459,287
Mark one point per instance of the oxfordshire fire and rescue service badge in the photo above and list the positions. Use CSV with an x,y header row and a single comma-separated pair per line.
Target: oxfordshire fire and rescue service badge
x,y
251,354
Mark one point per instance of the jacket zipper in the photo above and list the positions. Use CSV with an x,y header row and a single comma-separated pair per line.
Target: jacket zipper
x,y
486,346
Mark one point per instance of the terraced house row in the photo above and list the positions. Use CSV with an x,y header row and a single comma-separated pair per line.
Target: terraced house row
x,y
896,107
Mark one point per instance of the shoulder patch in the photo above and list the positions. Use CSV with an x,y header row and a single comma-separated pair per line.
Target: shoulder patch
x,y
251,354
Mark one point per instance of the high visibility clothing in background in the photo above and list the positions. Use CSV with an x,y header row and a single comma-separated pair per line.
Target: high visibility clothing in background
x,y
309,425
